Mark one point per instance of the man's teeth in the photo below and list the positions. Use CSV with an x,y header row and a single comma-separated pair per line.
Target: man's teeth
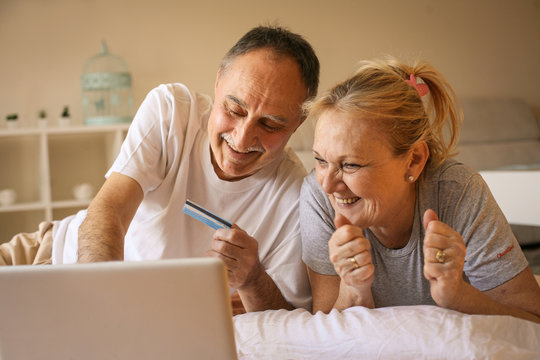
x,y
347,201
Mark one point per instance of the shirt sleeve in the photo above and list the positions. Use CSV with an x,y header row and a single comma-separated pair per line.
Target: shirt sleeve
x,y
493,253
145,151
316,226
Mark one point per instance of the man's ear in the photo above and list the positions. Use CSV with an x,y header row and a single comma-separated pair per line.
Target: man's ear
x,y
418,158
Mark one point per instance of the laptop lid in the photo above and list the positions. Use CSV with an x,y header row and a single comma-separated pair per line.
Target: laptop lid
x,y
167,309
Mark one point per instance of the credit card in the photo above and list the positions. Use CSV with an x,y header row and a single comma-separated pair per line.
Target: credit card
x,y
205,216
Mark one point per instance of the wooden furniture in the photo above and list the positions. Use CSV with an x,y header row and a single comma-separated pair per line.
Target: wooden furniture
x,y
43,165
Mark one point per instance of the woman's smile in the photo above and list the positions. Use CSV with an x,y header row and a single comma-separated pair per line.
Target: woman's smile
x,y
346,200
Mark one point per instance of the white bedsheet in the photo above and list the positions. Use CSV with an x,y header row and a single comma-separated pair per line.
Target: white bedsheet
x,y
406,332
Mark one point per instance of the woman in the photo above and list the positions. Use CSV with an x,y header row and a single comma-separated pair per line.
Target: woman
x,y
388,218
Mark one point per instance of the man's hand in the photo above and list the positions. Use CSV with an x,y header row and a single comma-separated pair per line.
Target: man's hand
x,y
240,253
445,275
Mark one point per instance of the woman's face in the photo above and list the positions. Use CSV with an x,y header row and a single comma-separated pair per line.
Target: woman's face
x,y
355,166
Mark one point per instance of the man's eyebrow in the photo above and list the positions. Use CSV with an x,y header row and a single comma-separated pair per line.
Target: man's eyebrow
x,y
277,118
236,100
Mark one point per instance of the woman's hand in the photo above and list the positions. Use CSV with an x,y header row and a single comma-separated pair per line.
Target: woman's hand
x,y
444,256
350,254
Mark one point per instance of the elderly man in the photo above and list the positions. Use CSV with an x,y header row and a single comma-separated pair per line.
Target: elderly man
x,y
229,157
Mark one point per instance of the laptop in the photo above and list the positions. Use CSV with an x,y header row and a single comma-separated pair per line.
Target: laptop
x,y
167,309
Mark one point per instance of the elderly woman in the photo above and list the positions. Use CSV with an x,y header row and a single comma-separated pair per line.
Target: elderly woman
x,y
388,218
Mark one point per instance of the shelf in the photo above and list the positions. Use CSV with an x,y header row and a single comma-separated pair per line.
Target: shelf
x,y
22,207
70,204
42,206
63,130
43,165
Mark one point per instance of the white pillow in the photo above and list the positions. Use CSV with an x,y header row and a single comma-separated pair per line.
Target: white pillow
x,y
406,332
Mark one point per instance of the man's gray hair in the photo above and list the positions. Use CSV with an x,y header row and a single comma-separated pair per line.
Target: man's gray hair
x,y
282,42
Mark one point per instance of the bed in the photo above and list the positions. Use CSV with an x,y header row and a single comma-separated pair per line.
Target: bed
x,y
405,332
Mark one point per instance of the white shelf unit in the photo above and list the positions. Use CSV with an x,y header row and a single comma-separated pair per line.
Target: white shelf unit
x,y
43,165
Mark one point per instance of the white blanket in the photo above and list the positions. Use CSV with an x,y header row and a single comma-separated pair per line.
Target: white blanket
x,y
406,332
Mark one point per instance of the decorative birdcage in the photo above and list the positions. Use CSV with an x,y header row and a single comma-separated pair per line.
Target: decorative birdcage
x,y
106,89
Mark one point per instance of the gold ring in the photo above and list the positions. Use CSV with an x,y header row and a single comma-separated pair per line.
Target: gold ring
x,y
353,260
440,256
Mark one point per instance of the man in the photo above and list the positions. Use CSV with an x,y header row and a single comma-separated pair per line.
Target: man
x,y
228,157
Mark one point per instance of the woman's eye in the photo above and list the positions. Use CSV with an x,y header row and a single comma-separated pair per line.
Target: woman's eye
x,y
350,167
320,161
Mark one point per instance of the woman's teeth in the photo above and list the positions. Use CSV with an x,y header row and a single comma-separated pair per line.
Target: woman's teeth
x,y
348,200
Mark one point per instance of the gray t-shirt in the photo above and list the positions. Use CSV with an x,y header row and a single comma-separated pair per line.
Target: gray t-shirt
x,y
461,199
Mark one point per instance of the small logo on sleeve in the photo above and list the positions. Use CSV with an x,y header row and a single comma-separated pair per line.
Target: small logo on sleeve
x,y
506,251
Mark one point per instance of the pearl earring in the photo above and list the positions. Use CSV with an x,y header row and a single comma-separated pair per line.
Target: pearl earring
x,y
410,178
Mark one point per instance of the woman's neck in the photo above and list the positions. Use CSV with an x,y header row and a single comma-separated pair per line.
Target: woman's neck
x,y
395,234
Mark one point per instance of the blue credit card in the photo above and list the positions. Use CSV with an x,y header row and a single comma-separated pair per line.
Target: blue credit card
x,y
205,216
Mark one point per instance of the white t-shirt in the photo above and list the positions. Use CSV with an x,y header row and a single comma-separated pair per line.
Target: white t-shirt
x,y
167,152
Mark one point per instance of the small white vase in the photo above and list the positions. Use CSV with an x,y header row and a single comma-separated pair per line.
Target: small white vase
x,y
64,121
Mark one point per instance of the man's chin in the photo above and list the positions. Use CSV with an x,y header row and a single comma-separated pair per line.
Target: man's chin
x,y
233,173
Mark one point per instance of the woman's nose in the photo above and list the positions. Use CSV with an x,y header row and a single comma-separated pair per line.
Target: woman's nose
x,y
329,180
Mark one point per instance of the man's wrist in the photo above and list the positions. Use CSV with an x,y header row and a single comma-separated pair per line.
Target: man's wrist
x,y
256,280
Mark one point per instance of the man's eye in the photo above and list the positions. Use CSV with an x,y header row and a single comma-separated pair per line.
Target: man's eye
x,y
271,127
234,111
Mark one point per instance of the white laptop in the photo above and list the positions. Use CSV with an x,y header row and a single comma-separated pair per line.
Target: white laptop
x,y
168,309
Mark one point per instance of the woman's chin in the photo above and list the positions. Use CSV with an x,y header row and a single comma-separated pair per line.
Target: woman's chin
x,y
356,219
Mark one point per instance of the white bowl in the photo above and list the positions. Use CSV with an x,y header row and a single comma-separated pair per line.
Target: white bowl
x,y
83,191
7,197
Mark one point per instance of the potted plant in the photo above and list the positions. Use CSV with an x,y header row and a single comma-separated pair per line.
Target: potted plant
x,y
42,115
12,121
64,119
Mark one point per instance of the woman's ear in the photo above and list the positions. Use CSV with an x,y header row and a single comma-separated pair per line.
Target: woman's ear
x,y
419,156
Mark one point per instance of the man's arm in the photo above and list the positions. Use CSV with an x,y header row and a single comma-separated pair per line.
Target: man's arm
x,y
262,294
101,235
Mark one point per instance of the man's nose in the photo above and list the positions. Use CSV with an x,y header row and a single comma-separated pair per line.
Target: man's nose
x,y
245,135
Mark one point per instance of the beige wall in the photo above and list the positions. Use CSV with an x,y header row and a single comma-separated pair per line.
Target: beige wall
x,y
485,47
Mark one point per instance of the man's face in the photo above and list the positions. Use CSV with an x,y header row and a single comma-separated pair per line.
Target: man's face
x,y
256,109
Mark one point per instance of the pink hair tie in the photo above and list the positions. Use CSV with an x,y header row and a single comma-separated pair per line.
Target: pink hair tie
x,y
421,88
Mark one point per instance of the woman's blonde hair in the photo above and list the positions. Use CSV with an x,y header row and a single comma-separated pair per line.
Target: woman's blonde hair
x,y
378,91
